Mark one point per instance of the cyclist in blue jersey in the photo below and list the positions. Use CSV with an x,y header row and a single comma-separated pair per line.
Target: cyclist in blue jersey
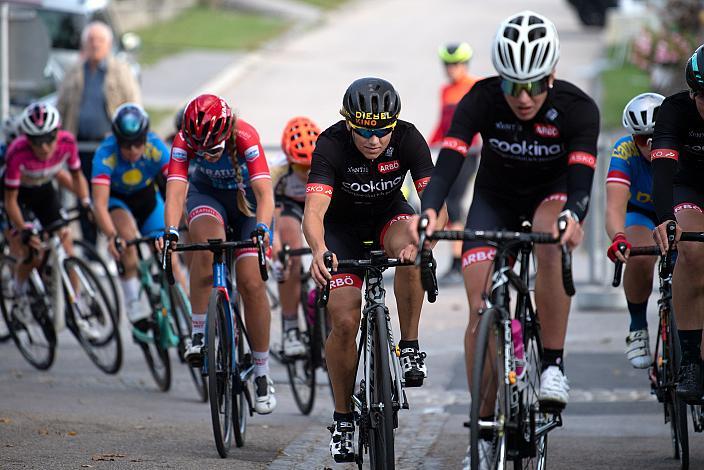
x,y
631,218
125,168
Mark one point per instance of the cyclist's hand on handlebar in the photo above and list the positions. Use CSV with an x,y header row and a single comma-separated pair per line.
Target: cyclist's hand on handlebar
x,y
409,252
115,246
660,235
415,220
573,234
170,235
30,238
319,271
614,253
266,233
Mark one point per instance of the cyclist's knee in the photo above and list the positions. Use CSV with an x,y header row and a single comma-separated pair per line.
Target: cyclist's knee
x,y
690,259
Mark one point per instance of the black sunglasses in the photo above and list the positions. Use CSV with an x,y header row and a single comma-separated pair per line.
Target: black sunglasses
x,y
43,138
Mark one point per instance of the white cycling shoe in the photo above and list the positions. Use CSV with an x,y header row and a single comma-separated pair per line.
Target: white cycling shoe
x,y
554,388
265,400
293,347
638,349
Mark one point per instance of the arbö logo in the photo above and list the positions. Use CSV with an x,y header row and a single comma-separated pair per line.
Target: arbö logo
x,y
341,282
523,148
546,130
388,167
373,186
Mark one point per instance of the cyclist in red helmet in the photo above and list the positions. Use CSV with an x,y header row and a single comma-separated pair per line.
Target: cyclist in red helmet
x,y
229,188
297,142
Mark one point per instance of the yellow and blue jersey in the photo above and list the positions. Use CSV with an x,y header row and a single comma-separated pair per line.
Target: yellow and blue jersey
x,y
630,168
124,177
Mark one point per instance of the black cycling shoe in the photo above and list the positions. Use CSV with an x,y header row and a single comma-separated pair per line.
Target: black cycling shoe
x,y
689,382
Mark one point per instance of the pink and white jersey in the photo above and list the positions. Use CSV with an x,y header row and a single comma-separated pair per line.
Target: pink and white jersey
x,y
25,169
221,174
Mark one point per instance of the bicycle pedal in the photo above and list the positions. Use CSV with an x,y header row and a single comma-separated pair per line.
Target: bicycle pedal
x,y
552,407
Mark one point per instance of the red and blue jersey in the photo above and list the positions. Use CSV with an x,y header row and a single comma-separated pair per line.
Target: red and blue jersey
x,y
630,168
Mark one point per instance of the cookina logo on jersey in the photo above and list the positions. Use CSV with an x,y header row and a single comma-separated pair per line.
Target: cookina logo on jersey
x,y
388,167
525,149
373,186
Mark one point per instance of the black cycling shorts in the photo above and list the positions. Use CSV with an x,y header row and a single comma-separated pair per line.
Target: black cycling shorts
x,y
687,197
41,202
346,239
291,208
494,210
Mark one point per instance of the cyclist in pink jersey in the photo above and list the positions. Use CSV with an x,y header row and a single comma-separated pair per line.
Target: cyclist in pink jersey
x,y
33,161
230,188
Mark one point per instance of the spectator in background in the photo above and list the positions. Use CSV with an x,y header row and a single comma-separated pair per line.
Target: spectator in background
x,y
91,92
456,58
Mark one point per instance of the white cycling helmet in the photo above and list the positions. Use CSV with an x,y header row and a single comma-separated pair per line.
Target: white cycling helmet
x,y
39,119
526,47
640,113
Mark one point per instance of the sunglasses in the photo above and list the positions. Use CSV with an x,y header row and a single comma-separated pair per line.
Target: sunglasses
x,y
127,144
213,151
43,138
368,133
644,140
532,88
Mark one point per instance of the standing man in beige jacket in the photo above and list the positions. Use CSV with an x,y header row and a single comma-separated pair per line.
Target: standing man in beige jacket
x,y
91,92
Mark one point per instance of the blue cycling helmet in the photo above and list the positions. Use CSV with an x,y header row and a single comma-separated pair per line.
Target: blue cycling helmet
x,y
130,123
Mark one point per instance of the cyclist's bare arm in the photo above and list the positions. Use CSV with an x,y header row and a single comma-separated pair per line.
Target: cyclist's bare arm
x,y
14,213
264,194
79,185
315,208
173,206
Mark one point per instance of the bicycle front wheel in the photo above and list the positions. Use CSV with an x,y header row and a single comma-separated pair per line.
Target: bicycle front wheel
x,y
219,367
28,323
156,355
381,409
242,398
488,388
181,317
301,370
90,318
678,408
104,272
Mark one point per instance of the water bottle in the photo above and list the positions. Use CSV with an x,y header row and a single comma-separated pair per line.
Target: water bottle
x,y
517,338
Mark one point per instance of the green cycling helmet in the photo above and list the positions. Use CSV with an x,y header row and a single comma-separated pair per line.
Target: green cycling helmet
x,y
455,53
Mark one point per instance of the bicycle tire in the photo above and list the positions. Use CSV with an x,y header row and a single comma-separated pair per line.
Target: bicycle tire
x,y
113,292
242,399
381,411
487,330
158,362
219,369
532,449
181,317
98,315
301,370
40,357
679,407
4,330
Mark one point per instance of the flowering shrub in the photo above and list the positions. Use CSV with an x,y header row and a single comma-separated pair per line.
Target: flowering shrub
x,y
662,48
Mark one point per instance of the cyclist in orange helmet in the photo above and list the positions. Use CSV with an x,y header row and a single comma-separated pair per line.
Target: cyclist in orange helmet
x,y
297,142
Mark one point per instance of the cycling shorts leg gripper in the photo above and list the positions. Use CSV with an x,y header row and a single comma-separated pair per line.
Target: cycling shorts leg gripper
x,y
687,198
388,224
345,280
478,255
562,197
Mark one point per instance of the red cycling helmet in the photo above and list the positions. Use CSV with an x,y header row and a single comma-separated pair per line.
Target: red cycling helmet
x,y
298,140
207,122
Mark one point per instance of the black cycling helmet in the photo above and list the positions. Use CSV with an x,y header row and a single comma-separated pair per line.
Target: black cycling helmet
x,y
371,102
695,70
130,123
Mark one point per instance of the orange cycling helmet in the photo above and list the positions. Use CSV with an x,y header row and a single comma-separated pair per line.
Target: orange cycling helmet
x,y
298,140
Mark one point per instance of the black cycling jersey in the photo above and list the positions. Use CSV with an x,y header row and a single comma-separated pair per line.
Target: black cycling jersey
x,y
678,138
357,185
520,158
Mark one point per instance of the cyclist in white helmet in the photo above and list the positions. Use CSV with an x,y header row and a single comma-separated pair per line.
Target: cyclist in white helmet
x,y
631,218
537,163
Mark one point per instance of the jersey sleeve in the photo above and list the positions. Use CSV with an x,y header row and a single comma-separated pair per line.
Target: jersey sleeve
x,y
620,165
249,145
581,154
178,162
471,111
420,162
664,155
12,168
321,179
104,162
73,161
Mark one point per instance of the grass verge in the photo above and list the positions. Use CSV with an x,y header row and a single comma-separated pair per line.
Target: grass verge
x,y
205,28
325,4
620,84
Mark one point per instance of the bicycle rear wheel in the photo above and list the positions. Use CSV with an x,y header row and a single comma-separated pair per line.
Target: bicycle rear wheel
x,y
181,317
90,318
29,326
381,410
155,355
6,284
219,367
105,272
301,370
488,386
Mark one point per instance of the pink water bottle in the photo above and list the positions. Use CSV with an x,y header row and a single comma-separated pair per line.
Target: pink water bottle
x,y
517,338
